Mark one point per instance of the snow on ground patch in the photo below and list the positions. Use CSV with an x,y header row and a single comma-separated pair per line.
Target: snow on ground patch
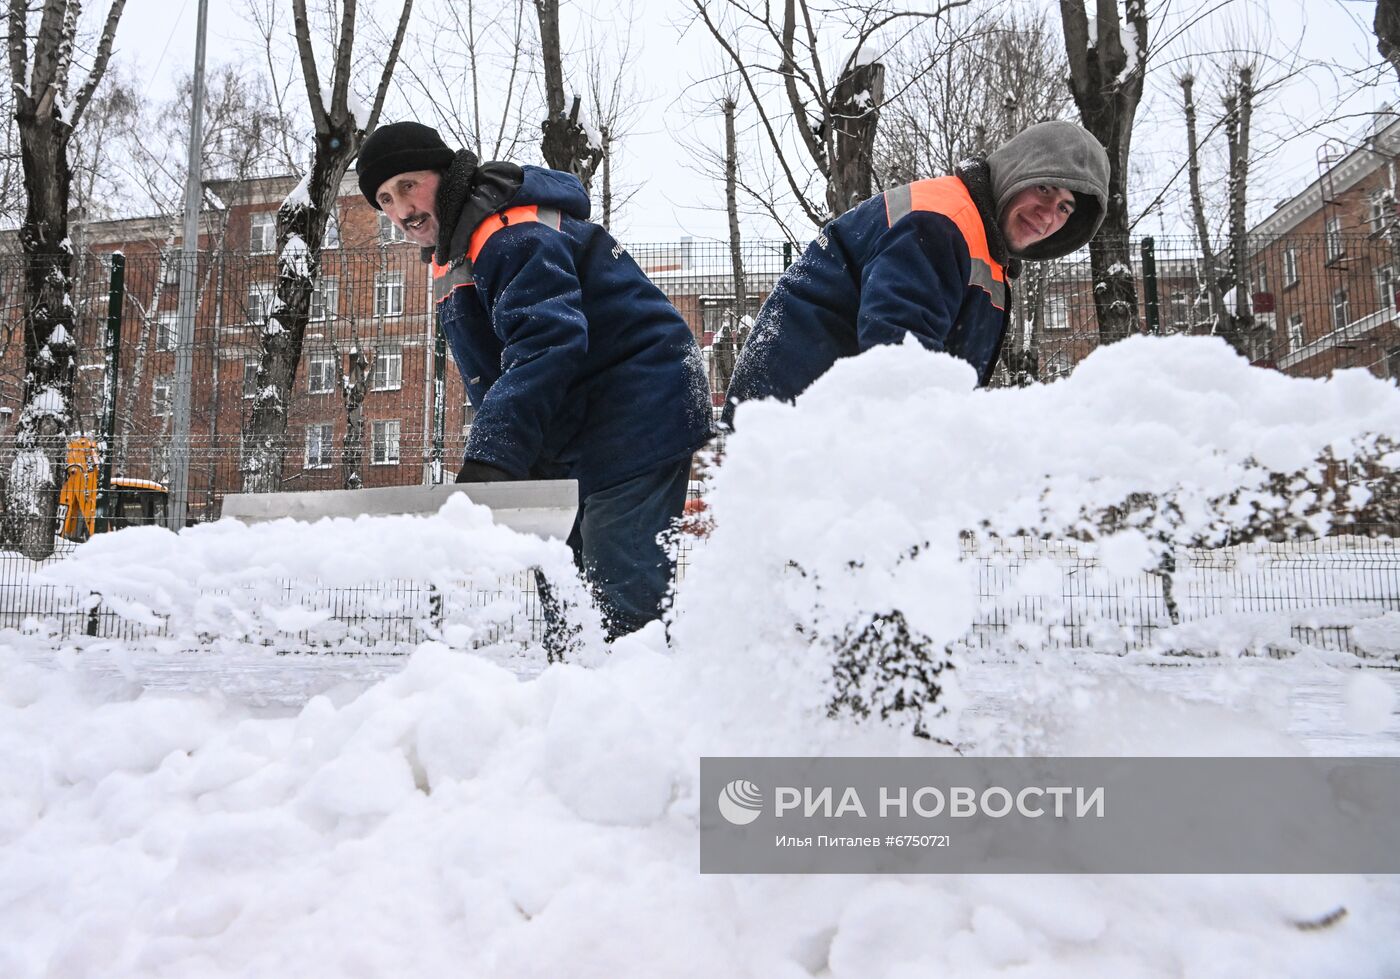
x,y
455,819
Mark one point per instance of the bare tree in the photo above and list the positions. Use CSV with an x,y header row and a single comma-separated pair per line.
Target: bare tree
x,y
47,112
567,144
461,52
963,90
340,127
1224,286
1106,69
833,115
614,104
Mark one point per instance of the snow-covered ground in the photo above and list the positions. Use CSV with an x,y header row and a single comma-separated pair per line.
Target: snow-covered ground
x,y
228,812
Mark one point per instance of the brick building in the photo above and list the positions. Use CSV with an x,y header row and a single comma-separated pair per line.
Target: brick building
x,y
374,296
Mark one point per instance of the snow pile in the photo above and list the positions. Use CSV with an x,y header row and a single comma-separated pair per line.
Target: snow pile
x,y
239,582
454,820
851,509
457,820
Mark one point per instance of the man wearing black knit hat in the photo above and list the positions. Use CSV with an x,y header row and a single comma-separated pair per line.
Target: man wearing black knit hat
x,y
577,365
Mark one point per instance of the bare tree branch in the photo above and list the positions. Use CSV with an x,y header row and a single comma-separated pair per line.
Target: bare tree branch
x,y
308,65
99,65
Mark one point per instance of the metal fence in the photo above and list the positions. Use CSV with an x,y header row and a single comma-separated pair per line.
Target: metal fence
x,y
1310,305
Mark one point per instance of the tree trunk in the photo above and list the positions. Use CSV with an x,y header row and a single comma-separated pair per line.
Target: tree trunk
x,y
731,206
607,181
301,226
1210,273
565,145
855,113
1107,88
353,387
49,350
1238,108
1387,27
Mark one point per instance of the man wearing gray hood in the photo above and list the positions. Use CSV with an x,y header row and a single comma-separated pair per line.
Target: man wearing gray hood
x,y
932,259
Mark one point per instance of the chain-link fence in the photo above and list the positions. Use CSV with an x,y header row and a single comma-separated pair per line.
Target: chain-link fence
x,y
1307,306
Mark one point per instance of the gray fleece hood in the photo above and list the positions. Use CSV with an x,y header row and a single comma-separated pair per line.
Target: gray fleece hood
x,y
1060,154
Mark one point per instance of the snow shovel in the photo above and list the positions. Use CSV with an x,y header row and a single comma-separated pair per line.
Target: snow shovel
x,y
544,507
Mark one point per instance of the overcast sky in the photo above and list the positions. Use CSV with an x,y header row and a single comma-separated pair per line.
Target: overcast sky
x,y
1332,37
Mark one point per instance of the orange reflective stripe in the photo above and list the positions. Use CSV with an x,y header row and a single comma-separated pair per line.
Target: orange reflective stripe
x,y
511,215
949,196
449,277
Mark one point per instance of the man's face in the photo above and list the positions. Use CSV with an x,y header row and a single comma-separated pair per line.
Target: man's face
x,y
1035,214
409,199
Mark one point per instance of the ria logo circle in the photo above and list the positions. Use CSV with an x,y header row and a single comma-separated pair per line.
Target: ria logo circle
x,y
740,802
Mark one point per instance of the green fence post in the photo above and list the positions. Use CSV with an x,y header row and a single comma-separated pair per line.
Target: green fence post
x,y
115,296
787,254
439,403
1149,285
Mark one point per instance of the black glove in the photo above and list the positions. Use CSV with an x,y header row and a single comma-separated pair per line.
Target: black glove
x,y
473,471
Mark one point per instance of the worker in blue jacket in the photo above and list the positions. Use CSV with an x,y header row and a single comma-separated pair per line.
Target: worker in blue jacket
x,y
930,260
578,366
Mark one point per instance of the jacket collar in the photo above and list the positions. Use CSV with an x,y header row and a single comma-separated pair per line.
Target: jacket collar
x,y
977,177
467,194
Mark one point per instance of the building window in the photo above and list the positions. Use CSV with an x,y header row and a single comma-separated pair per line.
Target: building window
x,y
1341,309
320,374
1385,288
260,295
262,233
468,416
161,396
1335,249
1376,218
387,372
1295,333
1179,311
332,236
388,294
1056,316
384,443
318,445
250,376
1290,267
167,331
1056,364
1260,281
389,231
324,298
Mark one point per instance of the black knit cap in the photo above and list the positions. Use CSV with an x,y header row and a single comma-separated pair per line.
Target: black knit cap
x,y
399,147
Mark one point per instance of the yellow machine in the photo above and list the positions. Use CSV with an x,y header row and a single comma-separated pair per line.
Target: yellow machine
x,y
133,501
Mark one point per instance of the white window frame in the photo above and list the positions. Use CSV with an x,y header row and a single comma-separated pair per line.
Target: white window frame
x,y
388,286
168,330
1341,309
327,291
250,382
468,416
389,232
1335,248
386,374
1376,217
320,439
1386,287
1056,314
262,232
384,442
1290,267
332,235
161,405
261,296
1295,333
320,373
